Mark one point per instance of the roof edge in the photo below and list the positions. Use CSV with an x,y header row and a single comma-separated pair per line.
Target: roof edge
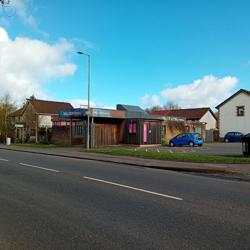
x,y
232,96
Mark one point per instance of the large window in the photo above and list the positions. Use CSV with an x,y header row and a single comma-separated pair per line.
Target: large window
x,y
240,110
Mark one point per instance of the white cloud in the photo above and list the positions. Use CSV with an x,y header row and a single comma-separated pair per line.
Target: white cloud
x,y
150,100
21,9
206,92
3,35
26,64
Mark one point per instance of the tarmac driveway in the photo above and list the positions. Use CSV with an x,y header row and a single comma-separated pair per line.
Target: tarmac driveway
x,y
233,149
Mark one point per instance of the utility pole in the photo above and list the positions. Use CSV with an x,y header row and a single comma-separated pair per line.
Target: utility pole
x,y
88,115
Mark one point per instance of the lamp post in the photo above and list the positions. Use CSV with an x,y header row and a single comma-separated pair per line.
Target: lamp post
x,y
88,130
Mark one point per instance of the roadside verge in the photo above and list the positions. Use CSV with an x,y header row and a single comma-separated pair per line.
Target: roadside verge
x,y
242,170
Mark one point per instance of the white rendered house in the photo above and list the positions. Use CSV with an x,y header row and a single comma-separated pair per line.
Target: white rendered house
x,y
234,113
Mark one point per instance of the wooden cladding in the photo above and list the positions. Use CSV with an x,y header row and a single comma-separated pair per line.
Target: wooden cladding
x,y
106,134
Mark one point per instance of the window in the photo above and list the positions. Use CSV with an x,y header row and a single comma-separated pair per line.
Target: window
x,y
79,129
240,110
181,136
132,128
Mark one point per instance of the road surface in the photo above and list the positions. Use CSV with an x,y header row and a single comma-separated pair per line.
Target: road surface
x,y
48,202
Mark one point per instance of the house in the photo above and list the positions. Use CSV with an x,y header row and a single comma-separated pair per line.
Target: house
x,y
126,124
201,120
34,116
203,115
234,113
174,126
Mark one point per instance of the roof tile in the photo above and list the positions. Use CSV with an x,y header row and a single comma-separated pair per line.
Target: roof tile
x,y
49,107
189,114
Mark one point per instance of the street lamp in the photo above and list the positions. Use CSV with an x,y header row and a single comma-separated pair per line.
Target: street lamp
x,y
82,53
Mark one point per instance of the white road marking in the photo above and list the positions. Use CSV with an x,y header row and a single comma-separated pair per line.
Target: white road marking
x,y
1,159
170,151
133,188
33,166
184,151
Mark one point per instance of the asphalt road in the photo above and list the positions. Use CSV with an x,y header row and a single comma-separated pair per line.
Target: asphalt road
x,y
50,202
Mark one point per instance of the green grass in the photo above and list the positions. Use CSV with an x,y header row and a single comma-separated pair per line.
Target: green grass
x,y
174,156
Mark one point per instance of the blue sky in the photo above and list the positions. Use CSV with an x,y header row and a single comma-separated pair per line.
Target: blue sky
x,y
193,53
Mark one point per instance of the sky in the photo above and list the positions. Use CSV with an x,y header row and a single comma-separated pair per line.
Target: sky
x,y
143,52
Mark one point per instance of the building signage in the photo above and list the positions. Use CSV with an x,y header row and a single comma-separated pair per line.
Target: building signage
x,y
72,113
101,113
19,125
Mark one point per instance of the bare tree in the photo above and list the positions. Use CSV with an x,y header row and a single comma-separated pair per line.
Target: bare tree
x,y
154,108
6,107
171,106
168,105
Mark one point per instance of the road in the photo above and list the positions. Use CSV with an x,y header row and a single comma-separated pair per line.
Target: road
x,y
48,202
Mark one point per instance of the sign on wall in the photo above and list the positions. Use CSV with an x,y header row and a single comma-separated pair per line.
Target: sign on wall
x,y
72,113
101,113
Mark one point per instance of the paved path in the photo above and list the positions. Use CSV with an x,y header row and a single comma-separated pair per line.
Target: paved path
x,y
50,202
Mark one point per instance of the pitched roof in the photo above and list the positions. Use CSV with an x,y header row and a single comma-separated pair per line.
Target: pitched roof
x,y
232,96
130,108
133,112
48,107
189,114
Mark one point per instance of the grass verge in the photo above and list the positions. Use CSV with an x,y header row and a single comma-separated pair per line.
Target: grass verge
x,y
174,156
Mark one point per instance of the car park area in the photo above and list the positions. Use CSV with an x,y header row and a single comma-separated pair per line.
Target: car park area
x,y
229,149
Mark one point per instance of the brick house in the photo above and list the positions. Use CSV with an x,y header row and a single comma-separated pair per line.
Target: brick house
x,y
201,120
203,115
34,116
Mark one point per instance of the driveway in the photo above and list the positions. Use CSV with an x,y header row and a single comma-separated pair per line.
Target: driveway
x,y
232,149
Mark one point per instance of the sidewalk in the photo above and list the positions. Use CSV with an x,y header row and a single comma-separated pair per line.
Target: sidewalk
x,y
80,153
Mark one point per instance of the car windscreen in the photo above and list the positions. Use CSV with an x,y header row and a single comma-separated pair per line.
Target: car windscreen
x,y
197,136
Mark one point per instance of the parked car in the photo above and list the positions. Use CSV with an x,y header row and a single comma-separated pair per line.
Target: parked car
x,y
233,137
190,139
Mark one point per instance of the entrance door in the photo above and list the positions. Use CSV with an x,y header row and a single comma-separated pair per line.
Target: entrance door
x,y
145,133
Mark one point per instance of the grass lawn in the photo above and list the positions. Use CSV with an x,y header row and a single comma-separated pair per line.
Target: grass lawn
x,y
174,156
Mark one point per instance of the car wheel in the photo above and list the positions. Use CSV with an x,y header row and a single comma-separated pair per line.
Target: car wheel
x,y
171,144
226,140
191,144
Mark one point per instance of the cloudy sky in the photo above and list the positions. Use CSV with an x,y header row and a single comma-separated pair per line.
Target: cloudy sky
x,y
146,53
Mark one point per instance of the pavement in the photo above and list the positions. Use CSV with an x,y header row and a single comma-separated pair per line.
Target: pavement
x,y
236,170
